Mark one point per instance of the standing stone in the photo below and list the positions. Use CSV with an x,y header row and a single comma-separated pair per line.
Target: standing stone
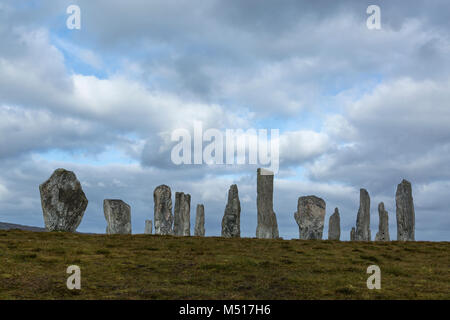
x,y
383,224
310,217
63,201
353,234
231,221
182,215
334,226
405,212
199,230
148,227
118,215
267,220
363,219
162,197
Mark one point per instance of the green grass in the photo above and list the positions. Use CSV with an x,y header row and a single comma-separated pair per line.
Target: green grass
x,y
33,266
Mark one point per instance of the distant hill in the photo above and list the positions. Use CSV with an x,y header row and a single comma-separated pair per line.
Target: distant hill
x,y
10,226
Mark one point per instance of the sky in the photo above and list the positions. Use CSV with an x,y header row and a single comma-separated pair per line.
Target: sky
x,y
355,107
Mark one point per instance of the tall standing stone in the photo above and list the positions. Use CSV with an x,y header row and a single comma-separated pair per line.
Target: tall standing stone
x,y
334,226
363,219
63,201
118,216
267,220
405,212
353,234
163,218
148,227
182,215
383,224
199,229
310,217
231,221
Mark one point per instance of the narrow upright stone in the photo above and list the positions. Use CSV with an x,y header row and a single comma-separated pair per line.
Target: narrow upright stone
x,y
199,230
231,221
334,226
182,214
118,216
363,219
163,218
148,227
353,234
383,224
405,212
267,220
310,217
63,201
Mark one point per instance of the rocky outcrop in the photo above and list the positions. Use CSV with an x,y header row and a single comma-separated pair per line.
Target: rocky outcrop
x,y
363,219
163,218
267,221
310,217
118,216
334,226
405,212
353,234
199,229
182,214
63,201
383,224
231,221
148,227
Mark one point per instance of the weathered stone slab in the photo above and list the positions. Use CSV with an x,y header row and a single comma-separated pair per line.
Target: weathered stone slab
x,y
383,225
363,219
310,217
267,220
118,216
353,234
199,229
148,227
63,201
163,218
231,221
182,215
334,226
405,212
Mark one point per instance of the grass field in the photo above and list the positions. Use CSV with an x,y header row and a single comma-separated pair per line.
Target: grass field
x,y
33,266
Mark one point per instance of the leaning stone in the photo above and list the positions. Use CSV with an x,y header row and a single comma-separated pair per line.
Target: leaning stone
x,y
162,197
405,212
363,219
148,227
231,221
383,224
63,201
353,234
118,216
310,217
334,226
199,229
182,215
267,220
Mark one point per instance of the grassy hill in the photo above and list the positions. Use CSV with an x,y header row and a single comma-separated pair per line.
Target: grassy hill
x,y
33,266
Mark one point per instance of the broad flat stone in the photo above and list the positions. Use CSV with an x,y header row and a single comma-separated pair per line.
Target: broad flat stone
x,y
383,224
199,229
310,217
148,227
163,218
267,220
63,201
405,212
334,226
118,216
182,215
231,221
363,219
